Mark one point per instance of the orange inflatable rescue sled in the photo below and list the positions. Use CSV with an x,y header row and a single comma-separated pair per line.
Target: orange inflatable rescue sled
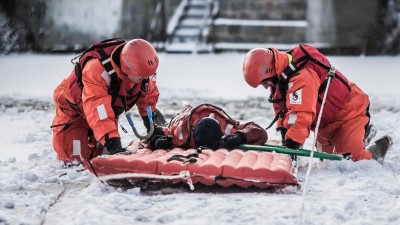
x,y
198,166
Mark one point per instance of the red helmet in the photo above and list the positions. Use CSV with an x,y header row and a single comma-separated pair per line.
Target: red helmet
x,y
139,58
258,66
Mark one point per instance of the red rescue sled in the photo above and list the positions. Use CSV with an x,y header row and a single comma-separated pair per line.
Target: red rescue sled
x,y
221,167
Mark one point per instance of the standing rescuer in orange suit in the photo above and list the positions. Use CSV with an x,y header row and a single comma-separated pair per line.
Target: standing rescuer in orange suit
x,y
297,80
110,78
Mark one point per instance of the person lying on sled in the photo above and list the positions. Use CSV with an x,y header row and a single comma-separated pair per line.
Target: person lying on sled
x,y
206,126
297,80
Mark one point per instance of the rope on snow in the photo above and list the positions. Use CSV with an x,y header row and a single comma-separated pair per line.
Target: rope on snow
x,y
61,193
331,74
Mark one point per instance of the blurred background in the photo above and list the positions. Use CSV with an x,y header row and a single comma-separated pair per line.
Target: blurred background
x,y
339,27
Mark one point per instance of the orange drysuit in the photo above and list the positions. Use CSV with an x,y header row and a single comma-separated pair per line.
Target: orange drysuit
x,y
344,134
81,125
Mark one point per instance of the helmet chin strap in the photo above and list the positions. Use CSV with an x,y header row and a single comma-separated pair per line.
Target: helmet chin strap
x,y
274,79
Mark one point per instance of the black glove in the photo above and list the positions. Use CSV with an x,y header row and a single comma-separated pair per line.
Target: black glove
x,y
233,140
283,133
160,142
289,143
113,146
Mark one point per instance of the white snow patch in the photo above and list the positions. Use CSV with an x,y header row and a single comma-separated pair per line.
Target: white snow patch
x,y
344,192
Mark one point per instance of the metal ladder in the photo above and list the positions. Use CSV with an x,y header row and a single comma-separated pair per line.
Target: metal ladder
x,y
188,27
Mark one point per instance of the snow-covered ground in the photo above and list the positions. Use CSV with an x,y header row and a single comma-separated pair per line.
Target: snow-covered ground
x,y
35,189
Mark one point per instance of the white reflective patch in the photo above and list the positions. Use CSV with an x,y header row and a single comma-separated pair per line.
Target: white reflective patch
x,y
263,70
106,61
228,129
127,63
106,77
296,97
292,67
76,147
292,119
283,75
112,72
180,135
101,110
290,84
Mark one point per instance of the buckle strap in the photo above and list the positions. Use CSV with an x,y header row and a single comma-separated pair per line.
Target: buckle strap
x,y
288,71
278,115
106,61
293,67
271,100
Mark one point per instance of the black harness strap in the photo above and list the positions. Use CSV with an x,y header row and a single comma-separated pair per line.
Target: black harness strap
x,y
114,83
271,100
278,115
143,88
290,71
102,45
343,82
314,60
191,158
293,67
78,74
275,80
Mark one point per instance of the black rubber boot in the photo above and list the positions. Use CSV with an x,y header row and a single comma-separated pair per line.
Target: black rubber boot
x,y
380,147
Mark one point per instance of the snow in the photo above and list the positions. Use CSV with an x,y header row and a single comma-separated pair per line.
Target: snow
x,y
35,188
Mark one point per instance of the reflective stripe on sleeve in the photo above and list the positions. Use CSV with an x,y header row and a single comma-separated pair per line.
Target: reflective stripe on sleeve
x,y
106,77
292,119
228,129
111,72
101,110
76,147
180,135
106,61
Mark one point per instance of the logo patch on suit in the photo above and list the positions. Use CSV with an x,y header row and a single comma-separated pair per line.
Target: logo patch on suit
x,y
295,97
